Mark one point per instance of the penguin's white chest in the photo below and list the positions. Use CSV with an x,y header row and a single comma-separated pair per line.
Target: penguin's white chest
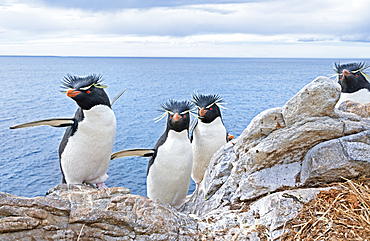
x,y
168,179
207,139
362,96
86,156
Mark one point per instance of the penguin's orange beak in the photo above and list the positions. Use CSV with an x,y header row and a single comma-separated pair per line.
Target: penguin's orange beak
x,y
202,111
73,93
177,117
346,72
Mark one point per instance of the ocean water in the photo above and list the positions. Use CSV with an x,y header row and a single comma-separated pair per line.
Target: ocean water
x,y
29,164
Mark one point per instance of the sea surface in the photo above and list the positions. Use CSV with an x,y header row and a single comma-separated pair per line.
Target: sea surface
x,y
29,164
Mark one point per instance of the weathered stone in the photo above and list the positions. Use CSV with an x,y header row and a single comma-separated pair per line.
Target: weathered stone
x,y
268,180
330,161
353,127
289,144
10,224
269,154
261,126
362,110
110,214
57,207
316,99
222,165
82,196
272,164
271,211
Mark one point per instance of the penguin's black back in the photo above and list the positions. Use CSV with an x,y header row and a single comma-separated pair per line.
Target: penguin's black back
x,y
79,116
192,130
160,142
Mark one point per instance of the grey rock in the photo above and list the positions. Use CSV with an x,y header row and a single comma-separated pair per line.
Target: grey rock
x,y
316,99
271,211
91,214
268,180
214,178
268,155
333,160
362,110
287,145
274,163
260,127
82,196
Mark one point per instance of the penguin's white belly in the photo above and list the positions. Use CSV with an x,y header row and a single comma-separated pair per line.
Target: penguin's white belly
x,y
168,179
207,139
362,96
86,156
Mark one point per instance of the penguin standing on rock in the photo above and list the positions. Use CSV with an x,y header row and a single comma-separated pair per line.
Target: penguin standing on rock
x,y
169,169
352,79
85,149
209,133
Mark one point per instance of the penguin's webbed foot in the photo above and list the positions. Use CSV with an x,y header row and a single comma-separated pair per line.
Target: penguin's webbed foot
x,y
230,137
101,185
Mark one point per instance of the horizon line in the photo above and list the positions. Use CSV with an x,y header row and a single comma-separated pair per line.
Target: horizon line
x,y
169,57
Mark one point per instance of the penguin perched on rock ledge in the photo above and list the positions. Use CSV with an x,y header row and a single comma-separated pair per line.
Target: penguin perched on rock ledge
x,y
85,149
169,168
352,79
209,133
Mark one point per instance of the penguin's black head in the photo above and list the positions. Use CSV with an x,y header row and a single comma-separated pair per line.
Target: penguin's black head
x,y
86,91
208,106
178,114
351,77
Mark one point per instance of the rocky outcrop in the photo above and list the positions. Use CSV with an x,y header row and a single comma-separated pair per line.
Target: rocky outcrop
x,y
356,108
252,187
305,143
347,157
80,212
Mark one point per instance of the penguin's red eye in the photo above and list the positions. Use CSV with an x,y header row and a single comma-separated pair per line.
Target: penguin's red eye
x,y
210,108
88,91
184,116
171,116
356,75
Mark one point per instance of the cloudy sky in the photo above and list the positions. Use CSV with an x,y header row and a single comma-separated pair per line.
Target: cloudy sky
x,y
192,28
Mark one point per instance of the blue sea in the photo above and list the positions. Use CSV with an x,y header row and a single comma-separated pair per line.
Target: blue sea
x,y
29,164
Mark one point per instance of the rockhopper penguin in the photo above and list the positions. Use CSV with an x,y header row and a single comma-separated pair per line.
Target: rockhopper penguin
x,y
208,135
169,168
86,147
352,79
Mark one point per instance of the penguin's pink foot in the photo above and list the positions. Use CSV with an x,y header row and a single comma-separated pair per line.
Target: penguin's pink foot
x,y
196,186
101,185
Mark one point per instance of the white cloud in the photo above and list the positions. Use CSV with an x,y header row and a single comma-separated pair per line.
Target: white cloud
x,y
184,28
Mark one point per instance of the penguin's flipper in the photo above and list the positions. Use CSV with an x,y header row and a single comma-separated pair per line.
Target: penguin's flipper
x,y
193,125
116,98
58,122
133,152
